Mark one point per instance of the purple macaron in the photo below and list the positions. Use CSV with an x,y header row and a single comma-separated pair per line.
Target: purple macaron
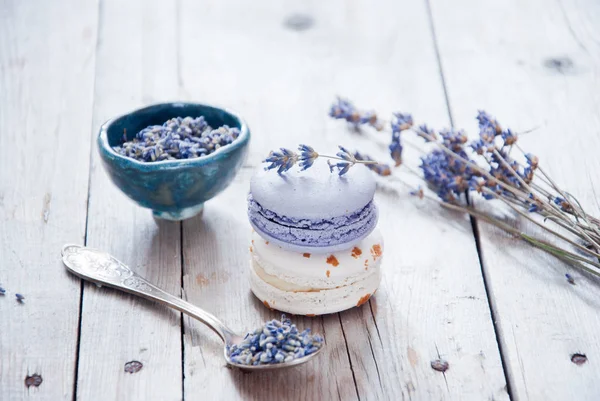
x,y
314,210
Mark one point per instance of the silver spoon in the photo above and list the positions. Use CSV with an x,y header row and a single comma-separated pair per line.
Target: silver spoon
x,y
103,269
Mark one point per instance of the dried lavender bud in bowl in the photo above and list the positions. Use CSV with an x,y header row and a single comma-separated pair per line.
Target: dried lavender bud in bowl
x,y
276,342
177,138
173,157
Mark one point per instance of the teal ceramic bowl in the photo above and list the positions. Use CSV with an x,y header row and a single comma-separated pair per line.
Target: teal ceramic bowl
x,y
173,189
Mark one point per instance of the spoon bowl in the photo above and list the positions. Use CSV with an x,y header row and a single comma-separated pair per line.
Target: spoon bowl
x,y
103,269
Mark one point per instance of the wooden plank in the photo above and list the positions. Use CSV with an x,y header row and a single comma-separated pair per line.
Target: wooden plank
x,y
534,63
281,65
46,83
136,65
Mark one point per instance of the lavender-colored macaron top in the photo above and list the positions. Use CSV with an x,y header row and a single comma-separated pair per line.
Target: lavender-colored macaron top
x,y
313,210
314,193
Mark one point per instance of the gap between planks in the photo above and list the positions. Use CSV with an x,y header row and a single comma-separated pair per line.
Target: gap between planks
x,y
473,220
87,203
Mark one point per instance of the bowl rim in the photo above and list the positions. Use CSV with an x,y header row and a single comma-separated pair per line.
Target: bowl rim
x,y
108,151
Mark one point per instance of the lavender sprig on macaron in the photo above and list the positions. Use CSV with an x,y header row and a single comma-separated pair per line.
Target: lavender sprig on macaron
x,y
284,159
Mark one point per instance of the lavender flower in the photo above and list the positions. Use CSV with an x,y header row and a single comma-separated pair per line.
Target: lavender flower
x,y
396,151
447,176
342,167
379,168
480,147
20,298
402,122
276,342
509,137
487,134
532,160
2,291
307,156
345,154
344,110
486,120
177,138
527,175
453,140
426,133
283,160
563,203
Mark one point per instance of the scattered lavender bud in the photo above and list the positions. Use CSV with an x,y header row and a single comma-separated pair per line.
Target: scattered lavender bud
x,y
275,342
570,279
578,359
20,298
177,138
440,365
418,192
2,291
133,367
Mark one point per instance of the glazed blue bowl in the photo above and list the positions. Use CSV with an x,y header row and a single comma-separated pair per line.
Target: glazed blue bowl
x,y
173,189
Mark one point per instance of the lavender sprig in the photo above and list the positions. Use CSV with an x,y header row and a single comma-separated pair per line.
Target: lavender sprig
x,y
285,159
275,342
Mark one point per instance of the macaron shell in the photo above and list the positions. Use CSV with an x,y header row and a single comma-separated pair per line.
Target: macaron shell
x,y
316,302
315,193
291,238
317,270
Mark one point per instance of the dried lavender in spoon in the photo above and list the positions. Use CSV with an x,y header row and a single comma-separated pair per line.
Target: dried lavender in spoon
x,y
276,342
178,138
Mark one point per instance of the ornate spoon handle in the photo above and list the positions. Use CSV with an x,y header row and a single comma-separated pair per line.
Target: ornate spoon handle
x,y
103,269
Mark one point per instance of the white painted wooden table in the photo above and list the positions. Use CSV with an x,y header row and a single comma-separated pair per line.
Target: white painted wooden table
x,y
501,313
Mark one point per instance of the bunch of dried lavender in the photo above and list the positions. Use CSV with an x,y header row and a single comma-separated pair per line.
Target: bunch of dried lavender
x,y
455,169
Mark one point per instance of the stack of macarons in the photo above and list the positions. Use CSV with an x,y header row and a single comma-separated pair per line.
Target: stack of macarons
x,y
315,246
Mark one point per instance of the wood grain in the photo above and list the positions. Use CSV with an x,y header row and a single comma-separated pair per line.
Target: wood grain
x,y
46,80
534,64
282,78
136,65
